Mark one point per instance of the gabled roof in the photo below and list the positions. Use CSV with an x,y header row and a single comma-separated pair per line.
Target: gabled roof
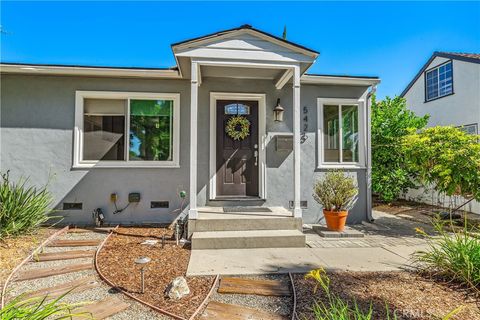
x,y
243,27
467,57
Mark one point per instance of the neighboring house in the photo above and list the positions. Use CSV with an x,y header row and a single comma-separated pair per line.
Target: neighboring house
x,y
447,88
97,131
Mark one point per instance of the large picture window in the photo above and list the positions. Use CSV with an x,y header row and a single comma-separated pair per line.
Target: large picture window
x,y
340,133
126,129
439,81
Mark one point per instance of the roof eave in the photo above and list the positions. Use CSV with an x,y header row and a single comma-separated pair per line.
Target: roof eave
x,y
339,80
88,71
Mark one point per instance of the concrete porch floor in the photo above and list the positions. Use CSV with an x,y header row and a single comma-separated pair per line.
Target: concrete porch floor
x,y
387,246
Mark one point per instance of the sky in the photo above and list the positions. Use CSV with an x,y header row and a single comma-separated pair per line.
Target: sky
x,y
391,40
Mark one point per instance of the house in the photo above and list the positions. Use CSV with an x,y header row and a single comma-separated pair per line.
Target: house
x,y
129,140
447,88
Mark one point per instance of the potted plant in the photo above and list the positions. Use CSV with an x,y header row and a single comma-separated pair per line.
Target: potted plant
x,y
337,193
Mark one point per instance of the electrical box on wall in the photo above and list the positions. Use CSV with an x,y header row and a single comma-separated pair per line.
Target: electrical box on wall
x,y
134,197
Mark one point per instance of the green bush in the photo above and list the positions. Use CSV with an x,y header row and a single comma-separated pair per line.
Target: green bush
x,y
391,122
40,308
336,191
22,208
446,158
454,256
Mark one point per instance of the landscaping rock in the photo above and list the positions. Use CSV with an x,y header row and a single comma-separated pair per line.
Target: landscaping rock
x,y
177,289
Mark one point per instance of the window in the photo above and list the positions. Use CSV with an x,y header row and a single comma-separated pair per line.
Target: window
x,y
470,128
115,129
237,109
340,133
439,81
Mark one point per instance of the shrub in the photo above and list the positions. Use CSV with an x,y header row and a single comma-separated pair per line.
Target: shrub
x,y
336,191
391,122
22,208
452,256
40,308
446,158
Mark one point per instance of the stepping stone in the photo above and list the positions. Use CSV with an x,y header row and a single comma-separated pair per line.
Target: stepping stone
x,y
73,254
70,287
74,243
221,311
258,287
102,309
48,272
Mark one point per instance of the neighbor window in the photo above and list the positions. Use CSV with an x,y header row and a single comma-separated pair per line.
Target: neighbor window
x,y
470,128
339,132
130,129
439,81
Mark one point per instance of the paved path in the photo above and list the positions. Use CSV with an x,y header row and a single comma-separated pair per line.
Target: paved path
x,y
387,246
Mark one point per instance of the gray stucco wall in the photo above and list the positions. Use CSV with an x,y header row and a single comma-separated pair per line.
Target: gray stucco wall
x,y
37,120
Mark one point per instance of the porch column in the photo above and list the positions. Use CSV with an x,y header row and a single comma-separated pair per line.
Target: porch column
x,y
193,141
297,211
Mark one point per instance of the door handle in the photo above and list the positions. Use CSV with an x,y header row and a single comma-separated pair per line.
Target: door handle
x,y
255,154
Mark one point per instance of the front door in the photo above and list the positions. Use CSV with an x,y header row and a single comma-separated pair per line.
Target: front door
x,y
237,159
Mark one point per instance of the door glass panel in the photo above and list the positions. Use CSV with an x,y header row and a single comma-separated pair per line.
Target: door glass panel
x,y
237,108
331,133
350,133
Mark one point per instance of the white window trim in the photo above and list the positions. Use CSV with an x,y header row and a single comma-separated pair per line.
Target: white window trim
x,y
78,161
362,144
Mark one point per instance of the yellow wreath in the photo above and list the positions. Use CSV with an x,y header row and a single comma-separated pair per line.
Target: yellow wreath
x,y
238,127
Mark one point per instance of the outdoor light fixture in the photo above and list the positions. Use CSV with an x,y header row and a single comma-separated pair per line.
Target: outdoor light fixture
x,y
278,112
142,261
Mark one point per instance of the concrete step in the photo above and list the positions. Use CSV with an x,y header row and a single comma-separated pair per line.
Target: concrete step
x,y
238,222
248,239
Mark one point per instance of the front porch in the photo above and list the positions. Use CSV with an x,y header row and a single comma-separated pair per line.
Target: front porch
x,y
247,227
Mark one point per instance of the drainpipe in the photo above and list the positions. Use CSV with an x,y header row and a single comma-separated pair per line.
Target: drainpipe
x,y
369,153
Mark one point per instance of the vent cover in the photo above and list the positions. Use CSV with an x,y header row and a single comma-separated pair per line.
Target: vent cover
x,y
159,204
72,206
303,204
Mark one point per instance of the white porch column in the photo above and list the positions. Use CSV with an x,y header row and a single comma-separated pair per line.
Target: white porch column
x,y
193,141
297,211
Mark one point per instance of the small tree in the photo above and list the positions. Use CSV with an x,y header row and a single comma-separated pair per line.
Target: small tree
x,y
446,158
391,122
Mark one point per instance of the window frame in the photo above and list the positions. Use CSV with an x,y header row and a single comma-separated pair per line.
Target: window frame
x,y
362,143
438,82
80,96
474,125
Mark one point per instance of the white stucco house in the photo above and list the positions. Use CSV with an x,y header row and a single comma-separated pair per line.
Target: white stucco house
x,y
128,140
447,88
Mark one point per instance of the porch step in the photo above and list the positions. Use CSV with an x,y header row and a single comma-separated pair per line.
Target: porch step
x,y
248,239
208,221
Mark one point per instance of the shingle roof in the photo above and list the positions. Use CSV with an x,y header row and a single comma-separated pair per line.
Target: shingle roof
x,y
462,56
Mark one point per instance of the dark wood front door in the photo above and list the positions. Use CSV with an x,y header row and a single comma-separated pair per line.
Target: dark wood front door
x,y
237,160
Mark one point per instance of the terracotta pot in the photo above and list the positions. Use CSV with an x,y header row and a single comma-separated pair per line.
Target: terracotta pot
x,y
335,219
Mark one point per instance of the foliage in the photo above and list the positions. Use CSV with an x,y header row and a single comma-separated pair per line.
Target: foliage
x,y
22,208
454,256
40,308
391,122
238,127
336,191
336,308
446,158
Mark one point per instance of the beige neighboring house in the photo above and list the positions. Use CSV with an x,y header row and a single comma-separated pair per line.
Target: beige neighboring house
x,y
447,88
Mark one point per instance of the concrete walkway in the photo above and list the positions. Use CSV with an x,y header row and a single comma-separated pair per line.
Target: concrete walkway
x,y
283,260
387,246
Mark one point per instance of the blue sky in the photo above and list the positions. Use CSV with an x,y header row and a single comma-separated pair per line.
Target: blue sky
x,y
391,40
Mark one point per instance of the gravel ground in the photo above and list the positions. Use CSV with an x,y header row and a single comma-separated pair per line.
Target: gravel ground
x,y
136,311
279,305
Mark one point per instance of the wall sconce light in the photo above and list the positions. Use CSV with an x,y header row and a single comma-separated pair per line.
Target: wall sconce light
x,y
278,112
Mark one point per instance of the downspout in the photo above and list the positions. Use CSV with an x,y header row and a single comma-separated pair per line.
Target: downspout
x,y
369,152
